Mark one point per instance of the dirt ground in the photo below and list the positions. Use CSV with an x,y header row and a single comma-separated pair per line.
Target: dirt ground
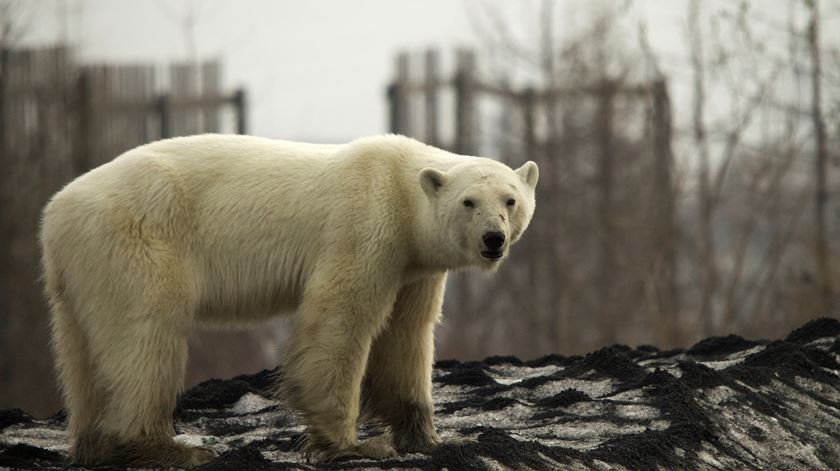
x,y
725,403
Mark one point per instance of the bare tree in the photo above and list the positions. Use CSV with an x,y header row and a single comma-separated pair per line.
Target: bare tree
x,y
707,255
773,270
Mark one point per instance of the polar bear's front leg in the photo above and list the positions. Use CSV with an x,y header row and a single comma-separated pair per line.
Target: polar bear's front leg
x,y
325,365
398,384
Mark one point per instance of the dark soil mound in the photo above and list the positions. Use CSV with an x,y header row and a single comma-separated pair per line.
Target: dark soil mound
x,y
721,345
815,329
27,456
12,417
725,403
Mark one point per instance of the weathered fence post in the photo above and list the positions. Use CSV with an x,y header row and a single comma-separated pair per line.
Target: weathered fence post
x,y
164,110
6,364
240,102
393,108
183,82
210,87
465,125
398,97
4,71
82,154
529,101
431,92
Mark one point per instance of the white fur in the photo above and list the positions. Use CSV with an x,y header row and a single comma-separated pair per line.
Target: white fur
x,y
231,230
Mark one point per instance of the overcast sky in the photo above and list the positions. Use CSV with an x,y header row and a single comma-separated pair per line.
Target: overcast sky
x,y
317,69
313,70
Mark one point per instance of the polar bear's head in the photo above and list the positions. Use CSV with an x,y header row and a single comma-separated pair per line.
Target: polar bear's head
x,y
483,206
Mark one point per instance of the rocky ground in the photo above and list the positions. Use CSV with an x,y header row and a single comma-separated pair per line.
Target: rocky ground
x,y
725,403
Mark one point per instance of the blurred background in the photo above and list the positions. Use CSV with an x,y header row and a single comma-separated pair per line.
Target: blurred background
x,y
689,150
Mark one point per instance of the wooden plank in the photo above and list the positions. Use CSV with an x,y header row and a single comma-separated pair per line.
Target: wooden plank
x,y
210,87
639,91
183,86
164,111
240,103
108,88
431,92
149,90
138,89
400,112
82,147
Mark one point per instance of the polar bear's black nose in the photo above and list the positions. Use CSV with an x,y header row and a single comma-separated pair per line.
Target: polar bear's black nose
x,y
493,240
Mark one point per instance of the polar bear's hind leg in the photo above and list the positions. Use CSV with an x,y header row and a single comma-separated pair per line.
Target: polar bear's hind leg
x,y
74,370
141,372
122,350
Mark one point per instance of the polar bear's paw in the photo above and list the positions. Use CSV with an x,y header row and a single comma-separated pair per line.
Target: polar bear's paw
x,y
200,455
110,451
417,442
174,455
376,448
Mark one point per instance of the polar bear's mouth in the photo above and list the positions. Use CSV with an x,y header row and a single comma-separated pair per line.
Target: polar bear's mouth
x,y
492,254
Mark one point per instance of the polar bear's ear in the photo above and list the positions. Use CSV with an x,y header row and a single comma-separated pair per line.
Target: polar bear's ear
x,y
432,180
529,173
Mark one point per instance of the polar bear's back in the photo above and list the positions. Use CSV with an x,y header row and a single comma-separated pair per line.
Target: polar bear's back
x,y
217,205
245,216
193,182
198,170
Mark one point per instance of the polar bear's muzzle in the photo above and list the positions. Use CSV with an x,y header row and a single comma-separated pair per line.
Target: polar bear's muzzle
x,y
494,245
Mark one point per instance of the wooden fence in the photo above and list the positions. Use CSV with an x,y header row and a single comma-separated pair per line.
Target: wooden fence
x,y
119,107
59,118
605,204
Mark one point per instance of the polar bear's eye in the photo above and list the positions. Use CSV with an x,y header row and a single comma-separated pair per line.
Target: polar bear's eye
x,y
469,203
511,202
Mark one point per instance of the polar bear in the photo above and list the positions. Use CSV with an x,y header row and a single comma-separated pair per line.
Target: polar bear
x,y
355,239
